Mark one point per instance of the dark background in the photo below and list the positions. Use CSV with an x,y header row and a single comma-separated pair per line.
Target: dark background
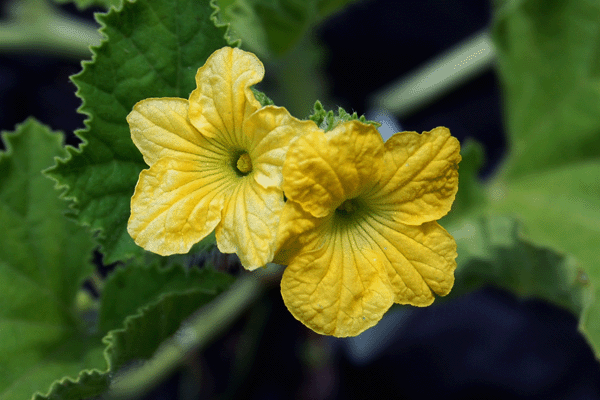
x,y
487,344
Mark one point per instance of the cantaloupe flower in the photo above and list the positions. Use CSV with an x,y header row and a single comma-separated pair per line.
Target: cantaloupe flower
x,y
215,163
359,232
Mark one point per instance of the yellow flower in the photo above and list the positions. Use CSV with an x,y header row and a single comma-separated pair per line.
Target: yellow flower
x,y
359,229
215,163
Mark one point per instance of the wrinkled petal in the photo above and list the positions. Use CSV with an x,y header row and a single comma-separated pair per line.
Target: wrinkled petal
x,y
249,223
324,169
420,177
222,99
421,259
160,128
270,131
340,288
176,204
297,228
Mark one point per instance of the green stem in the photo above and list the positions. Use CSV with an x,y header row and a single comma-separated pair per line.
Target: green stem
x,y
37,26
437,77
193,335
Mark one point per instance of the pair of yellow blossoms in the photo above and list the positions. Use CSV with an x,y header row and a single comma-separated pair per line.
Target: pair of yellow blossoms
x,y
358,230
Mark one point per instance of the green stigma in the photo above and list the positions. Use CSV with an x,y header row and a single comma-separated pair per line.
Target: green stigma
x,y
244,164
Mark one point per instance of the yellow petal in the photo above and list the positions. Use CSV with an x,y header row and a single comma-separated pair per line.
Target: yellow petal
x,y
249,223
160,128
270,132
420,177
176,204
222,99
421,259
322,170
297,228
339,288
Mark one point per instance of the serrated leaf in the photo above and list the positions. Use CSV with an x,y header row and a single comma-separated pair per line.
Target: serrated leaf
x,y
128,289
144,332
142,307
272,27
561,208
43,259
491,251
549,64
153,49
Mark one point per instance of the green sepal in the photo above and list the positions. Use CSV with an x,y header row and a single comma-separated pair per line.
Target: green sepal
x,y
262,98
327,120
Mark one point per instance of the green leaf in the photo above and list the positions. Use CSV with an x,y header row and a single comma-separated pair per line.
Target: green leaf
x,y
549,57
491,251
470,198
549,64
272,27
561,208
328,7
144,332
141,307
153,49
128,289
43,259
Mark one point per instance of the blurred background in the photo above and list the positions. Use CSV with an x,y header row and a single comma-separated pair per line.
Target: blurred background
x,y
486,344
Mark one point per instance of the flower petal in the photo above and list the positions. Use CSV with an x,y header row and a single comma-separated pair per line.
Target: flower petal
x,y
271,130
160,128
176,204
297,228
222,99
249,223
420,177
322,170
339,288
420,258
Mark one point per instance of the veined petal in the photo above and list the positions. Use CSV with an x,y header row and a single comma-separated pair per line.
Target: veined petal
x,y
160,128
249,223
297,228
222,99
420,177
176,204
421,259
339,288
271,130
322,170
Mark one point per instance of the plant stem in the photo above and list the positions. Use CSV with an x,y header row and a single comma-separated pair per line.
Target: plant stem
x,y
194,334
37,26
437,77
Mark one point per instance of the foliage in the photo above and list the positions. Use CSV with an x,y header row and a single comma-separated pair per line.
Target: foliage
x,y
532,229
548,63
273,27
149,51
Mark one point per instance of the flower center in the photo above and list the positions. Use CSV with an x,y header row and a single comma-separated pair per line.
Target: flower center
x,y
347,207
244,164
